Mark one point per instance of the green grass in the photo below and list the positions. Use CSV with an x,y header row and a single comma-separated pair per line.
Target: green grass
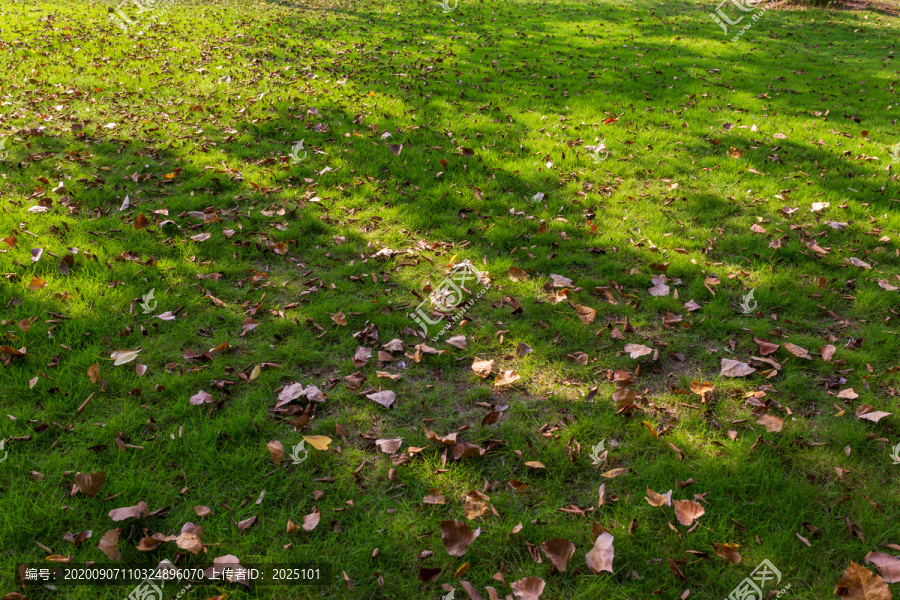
x,y
189,139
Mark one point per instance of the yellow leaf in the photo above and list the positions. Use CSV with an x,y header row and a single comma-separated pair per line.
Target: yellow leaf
x,y
651,429
319,442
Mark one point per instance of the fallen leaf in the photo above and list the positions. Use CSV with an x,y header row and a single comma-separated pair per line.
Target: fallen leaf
x,y
505,378
770,422
729,552
797,350
517,274
109,544
889,566
637,350
659,285
687,511
311,521
529,588
457,536
585,313
858,583
389,446
201,397
654,499
130,512
482,368
91,483
276,449
559,551
869,413
385,398
319,442
735,368
600,557
123,356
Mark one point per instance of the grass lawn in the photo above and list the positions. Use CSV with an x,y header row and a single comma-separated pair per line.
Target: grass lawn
x,y
619,177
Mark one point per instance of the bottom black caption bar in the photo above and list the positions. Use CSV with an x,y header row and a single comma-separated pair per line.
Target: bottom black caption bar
x,y
166,573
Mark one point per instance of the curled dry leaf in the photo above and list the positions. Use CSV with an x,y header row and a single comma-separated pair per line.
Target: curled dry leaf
x,y
475,504
585,313
457,536
120,357
505,378
858,583
276,449
529,588
458,340
688,511
389,446
189,538
637,350
797,350
483,368
735,368
600,557
109,544
827,352
654,499
559,551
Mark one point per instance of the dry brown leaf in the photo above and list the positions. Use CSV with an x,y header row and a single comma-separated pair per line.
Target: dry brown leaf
x,y
130,512
434,497
311,521
859,583
729,552
687,511
385,398
659,285
585,313
797,350
483,368
559,551
276,449
848,394
827,352
529,588
506,378
109,544
457,536
458,340
517,274
765,346
637,350
770,422
600,557
735,368
91,483
202,511
654,499
868,412
475,504
888,565
389,446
